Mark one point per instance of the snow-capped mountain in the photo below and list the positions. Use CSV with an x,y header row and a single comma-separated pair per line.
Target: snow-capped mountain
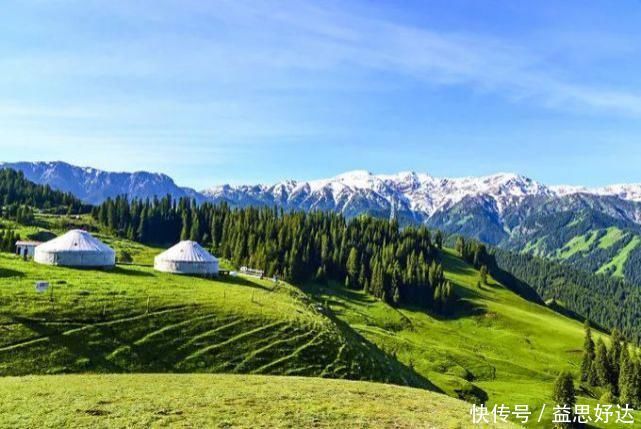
x,y
625,191
420,194
94,186
491,208
488,207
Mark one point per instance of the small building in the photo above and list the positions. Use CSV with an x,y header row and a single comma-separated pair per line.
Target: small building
x,y
76,248
26,249
187,257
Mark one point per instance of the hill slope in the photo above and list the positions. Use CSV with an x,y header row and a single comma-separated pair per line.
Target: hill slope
x,y
133,319
97,401
498,346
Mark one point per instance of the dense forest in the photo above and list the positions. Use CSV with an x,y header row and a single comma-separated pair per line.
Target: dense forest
x,y
19,197
610,302
397,265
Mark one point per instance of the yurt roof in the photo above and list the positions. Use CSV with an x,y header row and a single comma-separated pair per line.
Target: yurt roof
x,y
76,240
186,251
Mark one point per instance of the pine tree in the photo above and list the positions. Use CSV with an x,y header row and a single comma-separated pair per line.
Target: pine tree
x,y
438,299
588,353
636,382
353,267
564,394
396,298
141,232
626,378
483,273
460,246
615,358
194,231
438,239
186,227
602,364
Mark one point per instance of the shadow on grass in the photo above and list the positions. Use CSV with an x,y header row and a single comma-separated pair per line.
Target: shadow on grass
x,y
119,269
241,281
524,290
147,357
561,309
337,290
6,272
404,375
78,347
463,307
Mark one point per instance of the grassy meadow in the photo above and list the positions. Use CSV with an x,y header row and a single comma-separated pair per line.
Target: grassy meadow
x,y
133,319
223,401
498,346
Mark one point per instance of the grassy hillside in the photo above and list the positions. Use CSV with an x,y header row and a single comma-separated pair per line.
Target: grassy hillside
x,y
613,251
498,346
46,227
133,319
100,401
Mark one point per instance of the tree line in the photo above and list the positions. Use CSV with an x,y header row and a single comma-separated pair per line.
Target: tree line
x,y
617,369
8,239
19,196
607,301
399,266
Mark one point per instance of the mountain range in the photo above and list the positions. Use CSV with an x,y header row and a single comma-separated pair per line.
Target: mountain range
x,y
95,186
598,229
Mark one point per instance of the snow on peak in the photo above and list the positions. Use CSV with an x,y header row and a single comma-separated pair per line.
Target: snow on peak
x,y
418,192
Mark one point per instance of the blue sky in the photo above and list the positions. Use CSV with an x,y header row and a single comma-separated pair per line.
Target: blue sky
x,y
254,91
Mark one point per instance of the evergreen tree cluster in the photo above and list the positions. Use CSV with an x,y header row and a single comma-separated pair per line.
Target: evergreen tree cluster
x,y
8,238
474,253
564,395
617,369
610,302
398,266
18,197
20,213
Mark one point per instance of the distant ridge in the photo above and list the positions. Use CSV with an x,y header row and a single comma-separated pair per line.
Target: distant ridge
x,y
94,186
598,230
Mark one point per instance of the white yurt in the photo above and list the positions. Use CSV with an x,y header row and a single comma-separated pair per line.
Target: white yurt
x,y
76,248
186,257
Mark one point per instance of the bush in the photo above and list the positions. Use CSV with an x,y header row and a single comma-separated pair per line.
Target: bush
x,y
124,257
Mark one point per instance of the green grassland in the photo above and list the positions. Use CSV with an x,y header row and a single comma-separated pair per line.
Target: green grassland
x,y
612,235
498,344
577,244
602,251
133,319
616,265
224,401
